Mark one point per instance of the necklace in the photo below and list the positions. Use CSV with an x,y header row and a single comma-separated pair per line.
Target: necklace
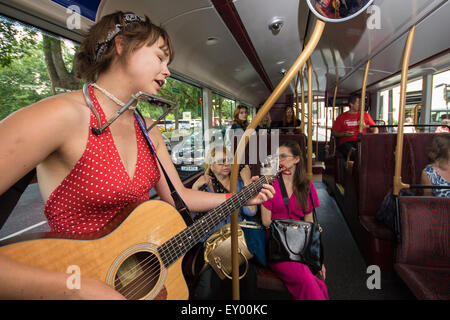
x,y
111,96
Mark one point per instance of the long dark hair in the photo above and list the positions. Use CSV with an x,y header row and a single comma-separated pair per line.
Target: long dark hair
x,y
294,122
301,183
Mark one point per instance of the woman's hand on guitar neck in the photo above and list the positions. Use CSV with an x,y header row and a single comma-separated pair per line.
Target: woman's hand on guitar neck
x,y
265,194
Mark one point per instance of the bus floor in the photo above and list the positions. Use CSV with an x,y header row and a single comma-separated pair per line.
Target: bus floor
x,y
347,275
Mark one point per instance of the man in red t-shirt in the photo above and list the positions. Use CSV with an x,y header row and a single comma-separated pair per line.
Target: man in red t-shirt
x,y
346,127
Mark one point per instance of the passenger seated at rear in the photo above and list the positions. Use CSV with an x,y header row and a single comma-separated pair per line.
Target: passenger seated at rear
x,y
265,123
409,121
346,127
240,116
445,123
290,123
437,173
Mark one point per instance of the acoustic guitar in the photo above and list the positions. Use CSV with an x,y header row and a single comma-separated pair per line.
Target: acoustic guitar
x,y
139,253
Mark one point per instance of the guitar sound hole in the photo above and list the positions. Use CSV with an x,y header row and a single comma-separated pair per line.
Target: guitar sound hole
x,y
137,275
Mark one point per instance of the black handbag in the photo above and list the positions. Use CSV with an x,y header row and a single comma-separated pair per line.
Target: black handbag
x,y
295,240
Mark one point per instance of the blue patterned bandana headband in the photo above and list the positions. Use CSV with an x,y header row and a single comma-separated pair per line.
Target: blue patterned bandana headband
x,y
103,46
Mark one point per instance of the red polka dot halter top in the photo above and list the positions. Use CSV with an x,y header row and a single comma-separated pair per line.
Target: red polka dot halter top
x,y
99,187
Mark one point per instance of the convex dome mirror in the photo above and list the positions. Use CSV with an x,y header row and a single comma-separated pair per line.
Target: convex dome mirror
x,y
338,10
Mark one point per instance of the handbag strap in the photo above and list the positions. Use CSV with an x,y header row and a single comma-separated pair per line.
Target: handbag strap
x,y
180,206
284,194
286,201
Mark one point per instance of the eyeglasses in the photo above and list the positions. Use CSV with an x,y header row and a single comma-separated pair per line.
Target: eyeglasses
x,y
222,162
284,156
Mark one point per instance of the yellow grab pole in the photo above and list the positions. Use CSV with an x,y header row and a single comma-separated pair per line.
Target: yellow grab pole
x,y
317,127
309,174
416,112
398,184
303,101
332,120
306,53
297,102
362,124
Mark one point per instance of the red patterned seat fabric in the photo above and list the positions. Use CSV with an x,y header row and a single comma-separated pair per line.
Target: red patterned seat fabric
x,y
423,256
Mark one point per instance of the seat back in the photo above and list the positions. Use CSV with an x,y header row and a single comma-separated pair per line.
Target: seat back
x,y
376,165
425,226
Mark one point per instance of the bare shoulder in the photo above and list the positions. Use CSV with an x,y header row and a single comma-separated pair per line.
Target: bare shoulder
x,y
57,111
51,122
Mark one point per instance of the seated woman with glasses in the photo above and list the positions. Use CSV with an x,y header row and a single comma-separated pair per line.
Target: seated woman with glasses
x,y
217,180
297,277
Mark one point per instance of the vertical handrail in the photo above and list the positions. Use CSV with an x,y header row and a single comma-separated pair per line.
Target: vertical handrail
x,y
416,112
326,119
309,145
362,124
302,83
306,53
332,120
297,101
398,184
317,127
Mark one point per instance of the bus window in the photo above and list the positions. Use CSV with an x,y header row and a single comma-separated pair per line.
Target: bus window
x,y
441,97
28,58
222,110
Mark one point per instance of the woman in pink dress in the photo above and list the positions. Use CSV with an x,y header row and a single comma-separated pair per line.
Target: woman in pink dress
x,y
299,280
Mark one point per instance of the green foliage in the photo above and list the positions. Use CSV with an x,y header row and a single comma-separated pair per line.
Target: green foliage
x,y
24,77
15,42
188,99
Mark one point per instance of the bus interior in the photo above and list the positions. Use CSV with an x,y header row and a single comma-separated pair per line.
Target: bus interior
x,y
231,53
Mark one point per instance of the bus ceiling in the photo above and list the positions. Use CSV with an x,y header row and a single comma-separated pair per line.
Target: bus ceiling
x,y
208,51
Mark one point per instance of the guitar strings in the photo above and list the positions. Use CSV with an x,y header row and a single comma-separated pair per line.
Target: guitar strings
x,y
201,231
200,235
212,217
136,288
204,219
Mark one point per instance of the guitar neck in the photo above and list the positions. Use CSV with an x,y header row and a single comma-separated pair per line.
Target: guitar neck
x,y
173,249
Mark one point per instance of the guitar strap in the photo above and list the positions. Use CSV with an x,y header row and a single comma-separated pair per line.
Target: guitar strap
x,y
179,203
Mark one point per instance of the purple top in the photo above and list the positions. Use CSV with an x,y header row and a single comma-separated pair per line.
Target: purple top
x,y
279,210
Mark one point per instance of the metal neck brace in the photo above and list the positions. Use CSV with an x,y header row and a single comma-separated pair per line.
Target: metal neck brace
x,y
142,96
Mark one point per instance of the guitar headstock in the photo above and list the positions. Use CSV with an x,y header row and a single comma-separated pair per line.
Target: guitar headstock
x,y
270,179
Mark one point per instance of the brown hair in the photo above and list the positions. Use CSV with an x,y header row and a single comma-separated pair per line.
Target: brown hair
x,y
440,147
243,124
294,117
135,35
301,183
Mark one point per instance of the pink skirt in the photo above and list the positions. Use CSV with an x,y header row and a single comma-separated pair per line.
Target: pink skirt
x,y
300,281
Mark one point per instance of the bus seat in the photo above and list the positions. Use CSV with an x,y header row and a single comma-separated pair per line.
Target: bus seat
x,y
266,279
423,256
374,171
